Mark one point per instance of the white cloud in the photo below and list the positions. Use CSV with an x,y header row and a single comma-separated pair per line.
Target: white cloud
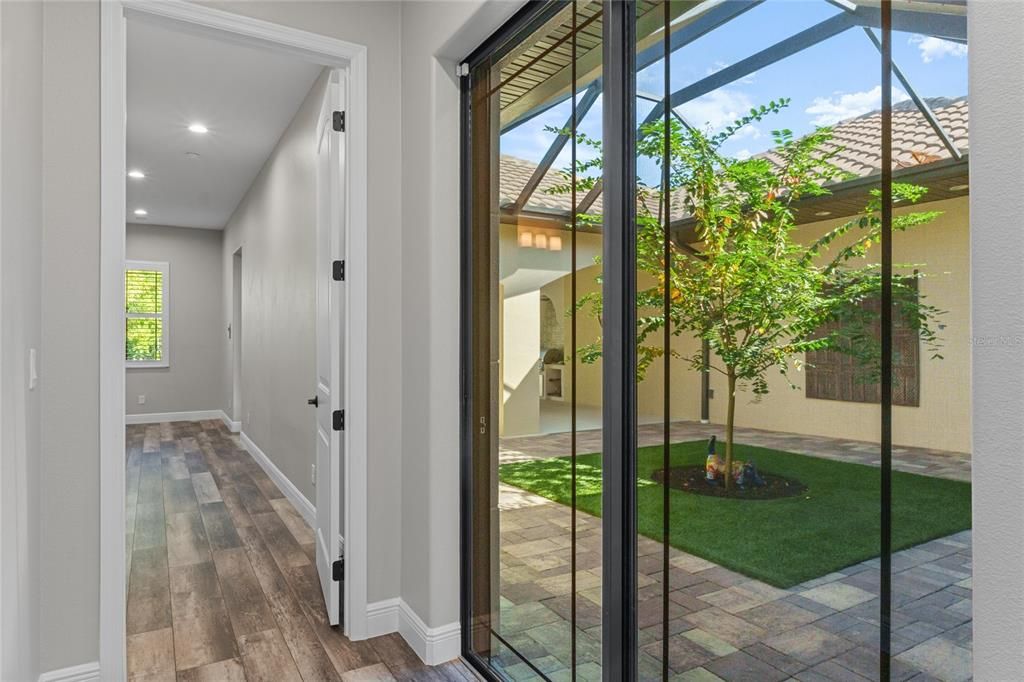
x,y
844,105
718,65
933,48
743,154
716,109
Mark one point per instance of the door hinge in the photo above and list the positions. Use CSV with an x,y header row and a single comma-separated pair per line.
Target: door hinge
x,y
339,121
338,570
339,420
339,271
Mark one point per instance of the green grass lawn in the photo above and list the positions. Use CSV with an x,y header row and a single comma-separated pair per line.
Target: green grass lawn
x,y
835,524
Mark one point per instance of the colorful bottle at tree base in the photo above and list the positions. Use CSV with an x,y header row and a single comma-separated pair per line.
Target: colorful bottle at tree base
x,y
712,464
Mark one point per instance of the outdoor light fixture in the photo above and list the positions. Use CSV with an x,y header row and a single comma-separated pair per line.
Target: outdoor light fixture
x,y
540,241
198,128
136,173
141,211
526,239
555,243
958,188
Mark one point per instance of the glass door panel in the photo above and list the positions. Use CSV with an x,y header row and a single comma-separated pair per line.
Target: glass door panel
x,y
788,466
536,229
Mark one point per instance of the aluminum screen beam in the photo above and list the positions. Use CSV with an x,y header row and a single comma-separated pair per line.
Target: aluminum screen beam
x,y
922,106
557,145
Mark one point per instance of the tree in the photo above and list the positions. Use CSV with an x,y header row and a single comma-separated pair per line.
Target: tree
x,y
757,296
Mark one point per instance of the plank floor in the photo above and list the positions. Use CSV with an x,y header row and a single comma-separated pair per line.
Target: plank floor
x,y
222,582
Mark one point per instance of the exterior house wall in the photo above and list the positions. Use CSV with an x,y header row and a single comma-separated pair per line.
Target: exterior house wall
x,y
941,249
192,382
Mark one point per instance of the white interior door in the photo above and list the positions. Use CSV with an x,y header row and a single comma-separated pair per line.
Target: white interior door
x,y
330,318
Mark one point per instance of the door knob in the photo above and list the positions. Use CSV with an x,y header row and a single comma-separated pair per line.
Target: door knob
x,y
314,401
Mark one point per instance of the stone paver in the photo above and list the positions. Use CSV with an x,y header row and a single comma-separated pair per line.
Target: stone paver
x,y
723,625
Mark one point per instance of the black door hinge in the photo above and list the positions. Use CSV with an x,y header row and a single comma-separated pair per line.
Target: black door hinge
x,y
338,570
339,271
339,420
339,121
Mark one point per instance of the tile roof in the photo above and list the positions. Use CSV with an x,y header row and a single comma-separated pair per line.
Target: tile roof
x,y
914,144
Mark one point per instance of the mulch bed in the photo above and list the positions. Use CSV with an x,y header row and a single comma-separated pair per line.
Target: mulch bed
x,y
691,479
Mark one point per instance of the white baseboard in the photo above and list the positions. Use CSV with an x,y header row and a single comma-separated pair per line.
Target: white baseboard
x,y
382,617
293,494
87,672
299,500
157,417
233,427
433,645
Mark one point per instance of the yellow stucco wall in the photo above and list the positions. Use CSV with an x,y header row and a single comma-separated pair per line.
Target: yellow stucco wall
x,y
941,250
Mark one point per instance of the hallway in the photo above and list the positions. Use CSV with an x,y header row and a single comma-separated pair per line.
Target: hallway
x,y
222,580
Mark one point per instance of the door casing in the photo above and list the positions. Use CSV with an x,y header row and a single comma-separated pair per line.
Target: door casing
x,y
317,49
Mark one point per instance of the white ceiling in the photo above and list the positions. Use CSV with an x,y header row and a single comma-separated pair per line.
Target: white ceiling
x,y
245,96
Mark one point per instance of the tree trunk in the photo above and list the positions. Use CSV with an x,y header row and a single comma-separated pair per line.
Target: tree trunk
x,y
729,421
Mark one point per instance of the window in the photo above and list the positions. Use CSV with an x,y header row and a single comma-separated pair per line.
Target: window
x,y
834,375
146,314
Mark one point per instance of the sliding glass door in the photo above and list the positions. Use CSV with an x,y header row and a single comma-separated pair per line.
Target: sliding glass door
x,y
715,333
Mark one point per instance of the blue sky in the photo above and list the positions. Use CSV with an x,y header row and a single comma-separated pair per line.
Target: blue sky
x,y
832,81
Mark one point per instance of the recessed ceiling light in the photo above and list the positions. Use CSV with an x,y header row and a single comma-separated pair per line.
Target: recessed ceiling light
x,y
136,173
823,213
958,188
198,128
141,211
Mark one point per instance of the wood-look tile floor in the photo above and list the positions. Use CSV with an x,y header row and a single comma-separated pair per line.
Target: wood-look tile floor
x,y
222,581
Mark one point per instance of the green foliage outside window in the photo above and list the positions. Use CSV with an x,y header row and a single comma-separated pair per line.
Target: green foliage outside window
x,y
144,291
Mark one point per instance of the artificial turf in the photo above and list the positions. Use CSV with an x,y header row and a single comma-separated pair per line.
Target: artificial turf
x,y
835,524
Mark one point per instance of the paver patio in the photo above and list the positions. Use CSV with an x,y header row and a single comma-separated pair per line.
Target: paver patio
x,y
723,625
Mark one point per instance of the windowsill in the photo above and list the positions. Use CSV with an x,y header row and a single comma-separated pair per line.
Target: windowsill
x,y
147,365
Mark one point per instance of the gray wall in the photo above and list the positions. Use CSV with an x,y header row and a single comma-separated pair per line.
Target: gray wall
x,y
275,226
996,32
434,36
193,381
20,302
70,462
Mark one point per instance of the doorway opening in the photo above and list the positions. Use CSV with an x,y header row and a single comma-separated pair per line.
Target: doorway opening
x,y
208,487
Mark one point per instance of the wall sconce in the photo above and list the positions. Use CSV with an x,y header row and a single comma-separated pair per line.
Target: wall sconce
x,y
526,239
540,241
555,243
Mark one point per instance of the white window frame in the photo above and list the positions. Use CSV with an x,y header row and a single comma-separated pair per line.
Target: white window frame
x,y
165,314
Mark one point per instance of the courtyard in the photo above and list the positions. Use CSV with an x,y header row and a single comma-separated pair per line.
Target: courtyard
x,y
724,624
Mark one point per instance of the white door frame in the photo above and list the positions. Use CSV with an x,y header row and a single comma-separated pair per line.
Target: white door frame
x,y
315,48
